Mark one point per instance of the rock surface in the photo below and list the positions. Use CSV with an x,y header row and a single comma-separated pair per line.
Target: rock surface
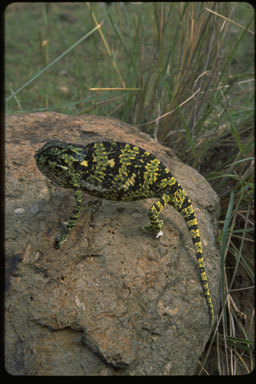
x,y
113,300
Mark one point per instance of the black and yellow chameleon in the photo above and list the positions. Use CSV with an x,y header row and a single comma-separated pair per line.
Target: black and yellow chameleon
x,y
119,171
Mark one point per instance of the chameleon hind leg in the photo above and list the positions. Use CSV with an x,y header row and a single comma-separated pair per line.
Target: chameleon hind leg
x,y
155,227
67,227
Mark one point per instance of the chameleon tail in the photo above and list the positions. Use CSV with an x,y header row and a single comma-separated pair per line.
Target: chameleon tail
x,y
183,205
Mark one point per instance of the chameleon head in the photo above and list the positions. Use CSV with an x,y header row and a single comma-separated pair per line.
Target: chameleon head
x,y
55,160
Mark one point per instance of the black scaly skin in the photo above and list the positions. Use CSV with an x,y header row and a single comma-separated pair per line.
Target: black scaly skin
x,y
119,171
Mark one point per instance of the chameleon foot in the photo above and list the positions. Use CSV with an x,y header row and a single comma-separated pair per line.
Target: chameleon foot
x,y
154,230
64,234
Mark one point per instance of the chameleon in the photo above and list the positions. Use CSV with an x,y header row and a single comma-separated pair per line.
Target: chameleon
x,y
119,171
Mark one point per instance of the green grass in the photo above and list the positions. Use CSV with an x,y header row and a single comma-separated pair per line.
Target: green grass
x,y
186,73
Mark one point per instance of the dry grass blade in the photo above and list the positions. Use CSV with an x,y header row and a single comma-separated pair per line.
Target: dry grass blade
x,y
169,113
228,19
116,89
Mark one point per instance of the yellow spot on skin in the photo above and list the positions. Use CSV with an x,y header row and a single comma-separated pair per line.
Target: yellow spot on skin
x,y
166,199
84,163
111,163
188,210
129,182
190,223
198,247
194,233
200,262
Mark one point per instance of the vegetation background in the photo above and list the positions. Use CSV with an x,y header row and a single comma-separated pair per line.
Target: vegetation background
x,y
184,73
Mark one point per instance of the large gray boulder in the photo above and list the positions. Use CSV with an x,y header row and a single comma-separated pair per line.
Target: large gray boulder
x,y
113,300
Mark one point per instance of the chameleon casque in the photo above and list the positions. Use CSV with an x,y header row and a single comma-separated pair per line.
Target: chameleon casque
x,y
119,171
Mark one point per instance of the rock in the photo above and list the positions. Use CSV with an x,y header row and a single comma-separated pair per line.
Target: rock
x,y
113,300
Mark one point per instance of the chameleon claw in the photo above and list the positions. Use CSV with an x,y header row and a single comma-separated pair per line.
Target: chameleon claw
x,y
66,228
59,241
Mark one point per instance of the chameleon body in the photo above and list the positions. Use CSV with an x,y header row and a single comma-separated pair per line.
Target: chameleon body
x,y
119,171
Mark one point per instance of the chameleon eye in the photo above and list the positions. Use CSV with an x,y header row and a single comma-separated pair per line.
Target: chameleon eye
x,y
54,151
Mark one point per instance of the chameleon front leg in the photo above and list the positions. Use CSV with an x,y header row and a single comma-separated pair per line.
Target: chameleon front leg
x,y
67,227
155,227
